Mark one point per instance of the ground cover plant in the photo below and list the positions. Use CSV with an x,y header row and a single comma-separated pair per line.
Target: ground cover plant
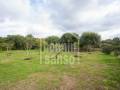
x,y
69,62
95,71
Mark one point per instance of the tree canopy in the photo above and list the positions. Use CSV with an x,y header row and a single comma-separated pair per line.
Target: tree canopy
x,y
52,39
87,41
69,38
90,40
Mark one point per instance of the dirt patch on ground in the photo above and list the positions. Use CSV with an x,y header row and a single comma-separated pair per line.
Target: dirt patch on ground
x,y
25,85
67,83
31,83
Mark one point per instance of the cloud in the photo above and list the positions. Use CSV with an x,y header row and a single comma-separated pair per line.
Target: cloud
x,y
14,9
114,32
93,15
55,17
20,17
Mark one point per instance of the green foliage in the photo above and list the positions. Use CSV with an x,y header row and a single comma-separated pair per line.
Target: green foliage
x,y
101,70
109,46
69,38
90,40
116,52
29,41
43,43
17,40
116,46
52,39
106,48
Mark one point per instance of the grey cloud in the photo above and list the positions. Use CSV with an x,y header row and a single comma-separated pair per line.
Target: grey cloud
x,y
62,15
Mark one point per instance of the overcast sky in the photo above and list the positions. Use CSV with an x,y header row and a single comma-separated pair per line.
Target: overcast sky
x,y
55,17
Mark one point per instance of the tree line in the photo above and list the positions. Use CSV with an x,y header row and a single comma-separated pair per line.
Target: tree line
x,y
88,41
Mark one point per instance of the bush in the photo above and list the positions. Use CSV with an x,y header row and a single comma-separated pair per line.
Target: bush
x,y
116,50
107,49
116,53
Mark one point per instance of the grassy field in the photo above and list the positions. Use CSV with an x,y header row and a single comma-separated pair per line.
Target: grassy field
x,y
94,71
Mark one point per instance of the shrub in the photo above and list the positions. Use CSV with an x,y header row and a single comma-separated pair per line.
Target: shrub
x,y
116,50
107,49
116,53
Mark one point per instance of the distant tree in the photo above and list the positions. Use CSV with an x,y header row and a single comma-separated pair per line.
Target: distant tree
x,y
6,44
29,43
2,40
108,41
90,40
17,40
116,46
111,45
40,43
29,40
3,46
106,48
69,39
52,39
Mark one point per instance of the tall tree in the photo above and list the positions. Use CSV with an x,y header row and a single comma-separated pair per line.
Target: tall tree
x,y
17,40
40,43
111,45
69,39
116,46
90,40
29,42
52,39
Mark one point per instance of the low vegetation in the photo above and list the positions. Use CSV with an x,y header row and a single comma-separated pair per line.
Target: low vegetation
x,y
95,71
69,62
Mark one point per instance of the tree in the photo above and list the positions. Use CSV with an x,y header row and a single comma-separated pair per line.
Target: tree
x,y
52,39
116,46
40,43
69,39
106,48
29,40
17,40
90,40
2,40
29,43
111,45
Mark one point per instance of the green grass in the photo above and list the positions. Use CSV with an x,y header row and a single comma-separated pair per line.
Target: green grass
x,y
94,71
